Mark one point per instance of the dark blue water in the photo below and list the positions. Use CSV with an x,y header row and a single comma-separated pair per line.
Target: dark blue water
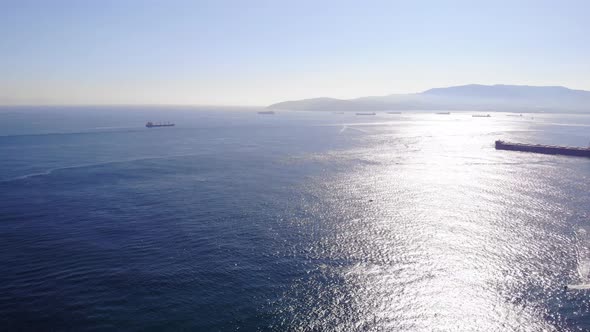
x,y
296,221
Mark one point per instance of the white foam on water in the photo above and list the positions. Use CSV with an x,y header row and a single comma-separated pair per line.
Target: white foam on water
x,y
579,286
583,255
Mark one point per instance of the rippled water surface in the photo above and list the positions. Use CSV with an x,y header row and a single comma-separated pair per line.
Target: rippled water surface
x,y
296,221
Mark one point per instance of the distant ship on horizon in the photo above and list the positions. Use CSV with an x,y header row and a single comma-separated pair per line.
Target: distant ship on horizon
x,y
150,124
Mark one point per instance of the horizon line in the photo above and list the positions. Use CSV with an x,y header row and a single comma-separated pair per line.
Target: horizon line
x,y
3,105
129,105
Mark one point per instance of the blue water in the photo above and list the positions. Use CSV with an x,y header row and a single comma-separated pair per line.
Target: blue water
x,y
296,221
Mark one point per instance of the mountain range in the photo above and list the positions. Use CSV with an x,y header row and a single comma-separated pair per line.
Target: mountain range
x,y
474,97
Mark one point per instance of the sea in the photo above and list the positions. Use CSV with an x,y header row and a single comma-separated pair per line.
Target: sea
x,y
297,221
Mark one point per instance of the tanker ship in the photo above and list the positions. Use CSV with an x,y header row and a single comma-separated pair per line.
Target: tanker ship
x,y
159,124
544,149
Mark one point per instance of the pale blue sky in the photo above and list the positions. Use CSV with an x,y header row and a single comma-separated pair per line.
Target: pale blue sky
x,y
259,52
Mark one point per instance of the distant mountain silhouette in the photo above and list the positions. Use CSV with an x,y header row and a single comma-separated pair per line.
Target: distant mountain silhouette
x,y
512,98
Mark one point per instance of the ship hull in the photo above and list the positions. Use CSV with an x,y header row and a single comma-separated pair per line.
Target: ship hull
x,y
149,125
544,149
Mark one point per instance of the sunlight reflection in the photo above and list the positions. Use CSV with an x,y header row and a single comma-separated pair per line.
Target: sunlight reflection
x,y
434,225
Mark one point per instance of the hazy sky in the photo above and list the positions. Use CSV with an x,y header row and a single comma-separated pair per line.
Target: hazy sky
x,y
258,52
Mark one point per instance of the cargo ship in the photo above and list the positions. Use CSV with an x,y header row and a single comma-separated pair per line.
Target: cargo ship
x,y
544,149
365,113
267,112
481,116
159,124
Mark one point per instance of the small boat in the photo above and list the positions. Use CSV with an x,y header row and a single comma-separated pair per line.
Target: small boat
x,y
150,124
371,113
267,112
481,116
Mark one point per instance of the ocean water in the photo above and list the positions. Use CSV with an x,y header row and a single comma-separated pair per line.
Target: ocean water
x,y
299,221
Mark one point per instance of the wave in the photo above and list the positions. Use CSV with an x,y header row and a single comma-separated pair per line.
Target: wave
x,y
565,124
350,128
116,127
88,131
51,170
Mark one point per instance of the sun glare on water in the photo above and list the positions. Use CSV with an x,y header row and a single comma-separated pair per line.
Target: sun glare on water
x,y
433,230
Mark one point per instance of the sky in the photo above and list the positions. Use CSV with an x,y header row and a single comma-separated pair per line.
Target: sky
x,y
255,52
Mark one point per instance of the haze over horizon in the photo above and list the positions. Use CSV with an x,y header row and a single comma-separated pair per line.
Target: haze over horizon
x,y
263,52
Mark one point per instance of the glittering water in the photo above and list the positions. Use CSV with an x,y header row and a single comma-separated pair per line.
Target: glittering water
x,y
294,221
